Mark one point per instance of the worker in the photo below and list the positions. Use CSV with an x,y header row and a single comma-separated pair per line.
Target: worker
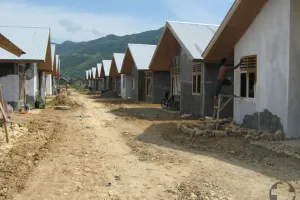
x,y
222,78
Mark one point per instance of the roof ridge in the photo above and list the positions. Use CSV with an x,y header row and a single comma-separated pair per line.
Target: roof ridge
x,y
204,24
142,44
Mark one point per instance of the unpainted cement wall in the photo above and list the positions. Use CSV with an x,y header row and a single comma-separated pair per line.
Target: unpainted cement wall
x,y
118,84
49,90
294,73
135,90
10,89
189,103
160,82
32,89
268,38
211,71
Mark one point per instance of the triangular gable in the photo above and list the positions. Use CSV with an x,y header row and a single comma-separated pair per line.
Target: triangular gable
x,y
9,46
116,64
87,74
138,54
47,65
98,73
94,70
235,24
105,68
191,37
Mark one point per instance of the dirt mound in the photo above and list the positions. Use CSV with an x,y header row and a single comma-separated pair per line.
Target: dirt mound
x,y
63,100
109,94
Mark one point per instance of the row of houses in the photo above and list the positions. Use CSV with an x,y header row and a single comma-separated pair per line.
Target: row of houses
x,y
186,60
29,65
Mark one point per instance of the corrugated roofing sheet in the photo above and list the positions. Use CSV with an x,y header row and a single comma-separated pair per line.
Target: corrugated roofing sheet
x,y
119,57
99,65
194,37
94,72
52,54
33,41
142,54
106,66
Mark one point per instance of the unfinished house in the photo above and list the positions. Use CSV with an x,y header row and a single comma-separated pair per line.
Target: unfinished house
x,y
23,78
266,34
177,64
100,80
49,75
115,70
78,81
105,73
136,69
63,81
94,81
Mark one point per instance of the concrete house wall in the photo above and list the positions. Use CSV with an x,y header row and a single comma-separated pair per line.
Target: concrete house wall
x,y
189,103
160,81
32,84
118,84
269,38
49,84
127,91
138,91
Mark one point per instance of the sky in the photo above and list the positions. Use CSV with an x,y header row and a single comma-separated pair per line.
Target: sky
x,y
84,20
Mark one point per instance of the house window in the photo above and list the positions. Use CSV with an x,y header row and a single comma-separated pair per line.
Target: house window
x,y
148,83
196,78
248,77
175,74
124,79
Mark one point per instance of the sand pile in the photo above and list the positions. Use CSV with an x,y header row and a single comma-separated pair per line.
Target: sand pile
x,y
110,95
63,100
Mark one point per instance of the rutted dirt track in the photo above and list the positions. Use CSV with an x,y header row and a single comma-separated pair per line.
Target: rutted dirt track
x,y
98,152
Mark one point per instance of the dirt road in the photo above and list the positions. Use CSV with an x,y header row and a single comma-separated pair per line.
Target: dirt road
x,y
101,155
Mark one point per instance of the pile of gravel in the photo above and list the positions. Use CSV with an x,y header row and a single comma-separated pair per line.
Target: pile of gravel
x,y
109,94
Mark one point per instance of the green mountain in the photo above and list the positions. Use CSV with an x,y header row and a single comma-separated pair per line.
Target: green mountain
x,y
76,58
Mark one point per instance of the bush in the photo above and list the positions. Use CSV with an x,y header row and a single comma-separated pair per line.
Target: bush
x,y
39,102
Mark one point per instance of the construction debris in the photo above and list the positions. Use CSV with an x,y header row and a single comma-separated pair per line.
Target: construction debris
x,y
62,102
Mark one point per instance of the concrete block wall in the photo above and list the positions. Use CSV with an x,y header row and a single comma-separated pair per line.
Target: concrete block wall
x,y
118,84
160,81
32,84
189,103
135,90
49,90
210,80
11,89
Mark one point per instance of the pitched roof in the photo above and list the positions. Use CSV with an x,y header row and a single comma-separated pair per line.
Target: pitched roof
x,y
106,67
33,41
235,24
52,54
94,69
119,57
191,37
142,54
99,66
6,44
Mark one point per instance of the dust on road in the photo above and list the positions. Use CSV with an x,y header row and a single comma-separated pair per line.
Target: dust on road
x,y
109,149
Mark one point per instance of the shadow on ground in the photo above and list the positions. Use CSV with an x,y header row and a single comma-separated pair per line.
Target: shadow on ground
x,y
232,150
148,113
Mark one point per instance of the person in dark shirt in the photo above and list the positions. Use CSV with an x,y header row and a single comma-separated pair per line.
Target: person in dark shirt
x,y
222,78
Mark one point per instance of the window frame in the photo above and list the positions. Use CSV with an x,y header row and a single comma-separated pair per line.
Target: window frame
x,y
246,70
196,71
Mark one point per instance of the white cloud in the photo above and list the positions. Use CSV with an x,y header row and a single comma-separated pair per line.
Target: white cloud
x,y
70,25
199,11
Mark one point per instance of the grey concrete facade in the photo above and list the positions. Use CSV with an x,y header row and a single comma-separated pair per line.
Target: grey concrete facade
x,y
138,91
160,81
